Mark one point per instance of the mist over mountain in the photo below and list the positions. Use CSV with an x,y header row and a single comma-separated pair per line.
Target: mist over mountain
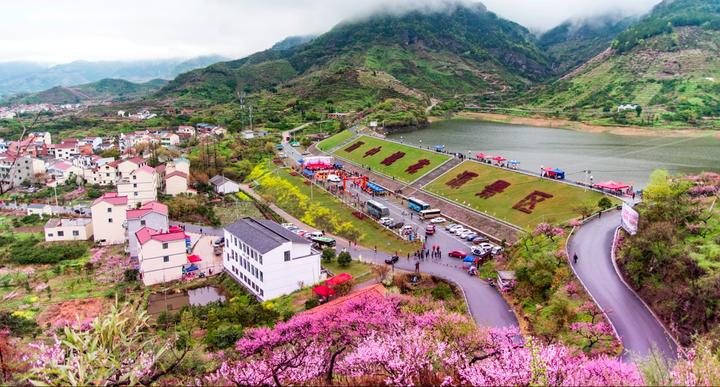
x,y
27,77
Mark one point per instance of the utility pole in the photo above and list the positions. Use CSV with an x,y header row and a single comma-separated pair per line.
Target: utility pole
x,y
251,120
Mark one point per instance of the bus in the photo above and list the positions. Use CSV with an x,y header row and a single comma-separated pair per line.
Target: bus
x,y
377,210
429,214
417,205
322,242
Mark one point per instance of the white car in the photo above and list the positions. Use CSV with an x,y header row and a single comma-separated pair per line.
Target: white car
x,y
314,234
334,179
287,225
438,220
457,230
470,236
406,227
386,220
450,226
464,234
486,246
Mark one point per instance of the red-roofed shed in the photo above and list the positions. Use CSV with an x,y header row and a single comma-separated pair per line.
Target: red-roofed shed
x,y
338,279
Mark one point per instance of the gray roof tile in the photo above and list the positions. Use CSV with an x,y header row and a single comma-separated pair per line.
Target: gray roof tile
x,y
262,235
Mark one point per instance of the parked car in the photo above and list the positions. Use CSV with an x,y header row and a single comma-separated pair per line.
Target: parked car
x,y
496,250
406,227
457,230
486,246
314,234
392,260
450,226
438,220
219,242
465,233
480,252
469,237
334,179
479,240
395,225
386,220
457,254
430,229
286,225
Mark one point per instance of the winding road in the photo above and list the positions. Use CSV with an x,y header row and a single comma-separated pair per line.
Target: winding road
x,y
637,327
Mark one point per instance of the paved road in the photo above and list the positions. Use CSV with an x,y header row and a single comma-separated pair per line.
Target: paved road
x,y
636,325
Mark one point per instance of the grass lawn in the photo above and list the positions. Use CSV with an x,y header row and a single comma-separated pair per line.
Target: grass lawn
x,y
331,142
555,209
359,270
371,232
230,213
398,168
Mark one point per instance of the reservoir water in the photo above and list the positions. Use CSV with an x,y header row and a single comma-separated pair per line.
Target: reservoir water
x,y
628,159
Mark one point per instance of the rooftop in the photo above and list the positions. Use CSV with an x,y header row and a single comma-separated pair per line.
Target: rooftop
x,y
79,222
176,173
112,198
146,234
262,235
146,209
219,180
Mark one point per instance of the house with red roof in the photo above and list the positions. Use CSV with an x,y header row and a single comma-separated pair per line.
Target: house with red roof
x,y
161,255
108,218
151,214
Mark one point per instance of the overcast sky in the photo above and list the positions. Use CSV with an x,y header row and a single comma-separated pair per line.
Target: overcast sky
x,y
62,31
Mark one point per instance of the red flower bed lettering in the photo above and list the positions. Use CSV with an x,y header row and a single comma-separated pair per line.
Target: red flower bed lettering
x,y
417,166
493,189
359,215
528,204
372,151
354,146
393,158
461,179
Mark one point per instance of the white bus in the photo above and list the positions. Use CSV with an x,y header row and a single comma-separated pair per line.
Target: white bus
x,y
430,214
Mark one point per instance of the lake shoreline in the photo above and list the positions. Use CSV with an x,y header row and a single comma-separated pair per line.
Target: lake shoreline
x,y
578,126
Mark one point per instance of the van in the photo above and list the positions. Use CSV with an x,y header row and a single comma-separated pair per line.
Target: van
x,y
334,179
314,234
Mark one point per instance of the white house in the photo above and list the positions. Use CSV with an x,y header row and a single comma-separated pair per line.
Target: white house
x,y
140,187
68,230
169,139
267,259
223,185
39,209
626,107
108,218
161,255
153,215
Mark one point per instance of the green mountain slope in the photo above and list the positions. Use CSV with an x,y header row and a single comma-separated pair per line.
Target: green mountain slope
x,y
668,63
465,50
105,90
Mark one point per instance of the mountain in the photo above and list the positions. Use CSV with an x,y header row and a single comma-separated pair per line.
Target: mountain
x,y
36,78
668,63
463,50
105,90
574,42
292,41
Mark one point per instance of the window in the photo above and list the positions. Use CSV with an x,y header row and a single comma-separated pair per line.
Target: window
x,y
165,246
50,235
166,259
287,256
61,233
135,194
135,185
142,222
110,209
261,277
109,220
76,233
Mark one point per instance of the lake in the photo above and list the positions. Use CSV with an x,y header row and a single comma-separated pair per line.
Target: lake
x,y
629,159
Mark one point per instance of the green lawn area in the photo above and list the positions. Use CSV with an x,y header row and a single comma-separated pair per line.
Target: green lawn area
x,y
359,270
331,142
398,168
555,209
372,233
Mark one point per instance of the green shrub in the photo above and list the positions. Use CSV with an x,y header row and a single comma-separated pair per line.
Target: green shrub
x,y
223,337
31,251
442,292
344,259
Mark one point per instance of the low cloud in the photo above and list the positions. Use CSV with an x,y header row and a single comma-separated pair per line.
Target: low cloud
x,y
53,31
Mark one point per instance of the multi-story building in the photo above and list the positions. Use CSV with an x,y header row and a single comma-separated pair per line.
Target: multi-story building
x,y
127,166
15,170
161,255
68,230
169,139
176,183
108,218
267,259
140,186
153,215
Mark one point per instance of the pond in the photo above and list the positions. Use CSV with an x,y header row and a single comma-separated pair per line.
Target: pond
x,y
629,159
173,302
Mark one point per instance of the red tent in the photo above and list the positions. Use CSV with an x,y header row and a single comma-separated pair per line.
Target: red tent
x,y
613,186
194,258
338,279
481,156
323,291
499,159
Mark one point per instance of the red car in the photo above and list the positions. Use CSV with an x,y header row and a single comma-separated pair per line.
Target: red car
x,y
430,229
457,254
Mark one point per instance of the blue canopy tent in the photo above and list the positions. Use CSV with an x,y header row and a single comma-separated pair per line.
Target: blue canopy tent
x,y
190,268
439,148
469,259
308,173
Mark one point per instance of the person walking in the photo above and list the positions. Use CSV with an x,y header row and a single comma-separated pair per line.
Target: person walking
x,y
575,258
417,266
408,256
